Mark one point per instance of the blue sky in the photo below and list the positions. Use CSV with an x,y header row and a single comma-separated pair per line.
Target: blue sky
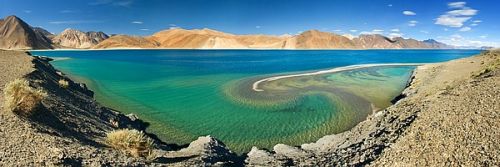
x,y
455,22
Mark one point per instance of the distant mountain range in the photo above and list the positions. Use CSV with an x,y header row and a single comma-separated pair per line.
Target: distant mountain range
x,y
16,34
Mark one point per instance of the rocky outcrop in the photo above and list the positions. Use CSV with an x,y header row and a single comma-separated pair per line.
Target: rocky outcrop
x,y
17,34
69,128
71,38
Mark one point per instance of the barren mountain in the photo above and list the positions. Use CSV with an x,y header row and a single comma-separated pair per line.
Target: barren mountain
x,y
124,41
44,32
374,41
409,43
17,34
71,38
435,44
312,39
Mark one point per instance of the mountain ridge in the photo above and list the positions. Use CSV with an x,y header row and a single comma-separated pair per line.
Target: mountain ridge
x,y
312,39
17,34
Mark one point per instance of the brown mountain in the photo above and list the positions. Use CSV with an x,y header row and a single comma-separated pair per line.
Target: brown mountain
x,y
125,41
17,34
314,39
211,39
71,38
374,41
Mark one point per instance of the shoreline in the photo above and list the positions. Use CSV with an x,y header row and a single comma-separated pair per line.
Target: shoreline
x,y
364,144
248,49
255,85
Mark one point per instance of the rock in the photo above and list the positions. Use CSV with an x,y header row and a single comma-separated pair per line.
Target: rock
x,y
132,117
289,151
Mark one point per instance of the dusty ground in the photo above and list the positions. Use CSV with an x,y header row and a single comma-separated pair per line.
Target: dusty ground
x,y
459,121
446,117
449,116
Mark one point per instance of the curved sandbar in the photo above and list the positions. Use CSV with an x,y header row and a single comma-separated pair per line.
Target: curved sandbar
x,y
255,85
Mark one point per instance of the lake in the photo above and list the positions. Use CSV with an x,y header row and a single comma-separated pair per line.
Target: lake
x,y
184,94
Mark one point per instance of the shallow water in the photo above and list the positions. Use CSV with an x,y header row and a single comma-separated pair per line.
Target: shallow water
x,y
188,93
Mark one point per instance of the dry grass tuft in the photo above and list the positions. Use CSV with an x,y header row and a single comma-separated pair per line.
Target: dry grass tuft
x,y
63,83
22,99
130,141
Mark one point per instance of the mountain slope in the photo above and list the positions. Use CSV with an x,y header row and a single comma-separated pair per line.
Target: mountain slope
x,y
312,39
17,34
71,38
124,41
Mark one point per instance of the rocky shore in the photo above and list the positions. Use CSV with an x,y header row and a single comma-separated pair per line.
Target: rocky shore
x,y
447,116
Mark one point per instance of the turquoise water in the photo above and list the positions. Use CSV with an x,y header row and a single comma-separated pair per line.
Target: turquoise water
x,y
189,93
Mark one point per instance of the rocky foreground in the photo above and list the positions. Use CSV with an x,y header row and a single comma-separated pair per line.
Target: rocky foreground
x,y
448,116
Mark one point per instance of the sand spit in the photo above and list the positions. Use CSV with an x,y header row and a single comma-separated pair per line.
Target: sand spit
x,y
447,116
255,85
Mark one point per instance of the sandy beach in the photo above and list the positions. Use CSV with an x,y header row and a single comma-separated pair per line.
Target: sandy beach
x,y
255,85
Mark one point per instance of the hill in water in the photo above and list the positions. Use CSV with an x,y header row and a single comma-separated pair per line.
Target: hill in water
x,y
312,39
17,34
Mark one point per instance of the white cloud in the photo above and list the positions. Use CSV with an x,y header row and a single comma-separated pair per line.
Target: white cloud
x,y
473,24
257,27
483,36
136,22
456,36
477,21
425,32
462,12
393,35
350,36
75,22
337,30
451,21
122,3
395,30
456,4
27,11
464,29
353,30
456,18
390,5
375,31
445,29
144,29
68,11
412,23
409,13
458,40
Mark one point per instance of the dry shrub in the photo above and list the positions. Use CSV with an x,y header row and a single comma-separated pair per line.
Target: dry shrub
x,y
63,83
22,99
130,141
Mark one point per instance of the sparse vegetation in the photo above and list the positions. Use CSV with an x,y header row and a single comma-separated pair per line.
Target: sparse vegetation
x,y
22,99
63,83
130,141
